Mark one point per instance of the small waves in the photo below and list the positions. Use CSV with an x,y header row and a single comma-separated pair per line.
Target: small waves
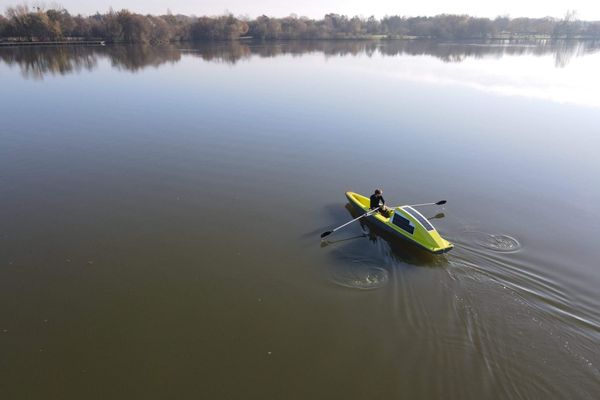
x,y
496,242
360,275
495,307
522,319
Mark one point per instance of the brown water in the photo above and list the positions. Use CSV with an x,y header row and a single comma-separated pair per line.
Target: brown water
x,y
160,212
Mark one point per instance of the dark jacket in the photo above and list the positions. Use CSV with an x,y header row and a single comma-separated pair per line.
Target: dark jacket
x,y
376,201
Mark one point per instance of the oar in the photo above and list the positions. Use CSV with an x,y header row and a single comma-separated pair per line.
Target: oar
x,y
348,223
439,203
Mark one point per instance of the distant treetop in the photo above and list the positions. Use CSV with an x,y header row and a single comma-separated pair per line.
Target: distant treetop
x,y
21,23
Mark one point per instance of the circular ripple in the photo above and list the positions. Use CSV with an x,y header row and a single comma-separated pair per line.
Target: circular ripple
x,y
501,243
360,276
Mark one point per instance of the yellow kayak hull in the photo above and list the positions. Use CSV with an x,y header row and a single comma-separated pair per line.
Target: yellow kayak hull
x,y
404,222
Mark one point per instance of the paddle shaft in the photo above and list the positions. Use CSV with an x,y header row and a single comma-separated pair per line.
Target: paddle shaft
x,y
349,222
439,203
355,219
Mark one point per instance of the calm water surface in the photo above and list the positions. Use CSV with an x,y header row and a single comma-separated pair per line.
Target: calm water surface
x,y
161,208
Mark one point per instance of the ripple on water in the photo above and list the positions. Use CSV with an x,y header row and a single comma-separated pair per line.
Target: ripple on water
x,y
359,275
502,243
495,242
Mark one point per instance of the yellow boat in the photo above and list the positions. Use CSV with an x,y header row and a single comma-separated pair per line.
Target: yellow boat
x,y
405,222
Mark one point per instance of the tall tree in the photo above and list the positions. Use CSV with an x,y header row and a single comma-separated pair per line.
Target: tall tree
x,y
4,27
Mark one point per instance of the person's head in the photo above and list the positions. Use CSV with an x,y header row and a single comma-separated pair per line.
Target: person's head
x,y
378,192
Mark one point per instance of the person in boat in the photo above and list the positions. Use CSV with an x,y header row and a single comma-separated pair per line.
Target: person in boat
x,y
377,201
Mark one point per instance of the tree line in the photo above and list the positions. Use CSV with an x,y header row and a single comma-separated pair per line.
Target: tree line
x,y
37,24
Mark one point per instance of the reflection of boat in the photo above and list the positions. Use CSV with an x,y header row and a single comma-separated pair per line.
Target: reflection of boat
x,y
404,222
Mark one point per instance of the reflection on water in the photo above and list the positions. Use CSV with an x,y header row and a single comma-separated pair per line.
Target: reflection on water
x,y
437,216
165,227
541,69
37,62
40,61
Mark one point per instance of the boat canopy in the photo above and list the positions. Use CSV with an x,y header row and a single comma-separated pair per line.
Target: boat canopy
x,y
419,217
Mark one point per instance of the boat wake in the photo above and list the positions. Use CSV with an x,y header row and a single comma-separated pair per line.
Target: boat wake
x,y
526,307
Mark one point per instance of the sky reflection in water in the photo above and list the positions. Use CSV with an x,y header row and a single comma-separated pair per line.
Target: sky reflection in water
x,y
560,71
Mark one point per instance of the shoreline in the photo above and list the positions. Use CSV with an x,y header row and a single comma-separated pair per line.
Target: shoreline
x,y
18,43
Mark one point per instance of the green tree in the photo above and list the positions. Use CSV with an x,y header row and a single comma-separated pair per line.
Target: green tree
x,y
569,26
259,28
4,26
135,28
372,26
37,24
82,27
160,31
63,20
592,29
108,26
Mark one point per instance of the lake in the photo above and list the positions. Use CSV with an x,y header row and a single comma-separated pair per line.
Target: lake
x,y
161,209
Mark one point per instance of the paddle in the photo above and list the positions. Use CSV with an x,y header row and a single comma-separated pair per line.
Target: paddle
x,y
324,234
439,203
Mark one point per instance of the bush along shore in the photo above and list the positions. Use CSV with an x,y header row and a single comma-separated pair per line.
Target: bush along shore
x,y
24,24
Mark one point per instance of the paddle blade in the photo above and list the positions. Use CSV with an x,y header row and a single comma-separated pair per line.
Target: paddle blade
x,y
439,203
324,234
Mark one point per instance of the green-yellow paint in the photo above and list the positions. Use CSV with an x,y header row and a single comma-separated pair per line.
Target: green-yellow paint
x,y
429,240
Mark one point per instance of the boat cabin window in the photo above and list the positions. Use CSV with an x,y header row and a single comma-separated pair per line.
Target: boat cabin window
x,y
403,223
419,217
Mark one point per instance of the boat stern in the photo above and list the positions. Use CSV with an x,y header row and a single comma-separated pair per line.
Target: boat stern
x,y
414,226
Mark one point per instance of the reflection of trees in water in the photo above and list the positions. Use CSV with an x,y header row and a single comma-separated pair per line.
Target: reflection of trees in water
x,y
37,62
458,52
563,50
227,52
567,49
134,58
